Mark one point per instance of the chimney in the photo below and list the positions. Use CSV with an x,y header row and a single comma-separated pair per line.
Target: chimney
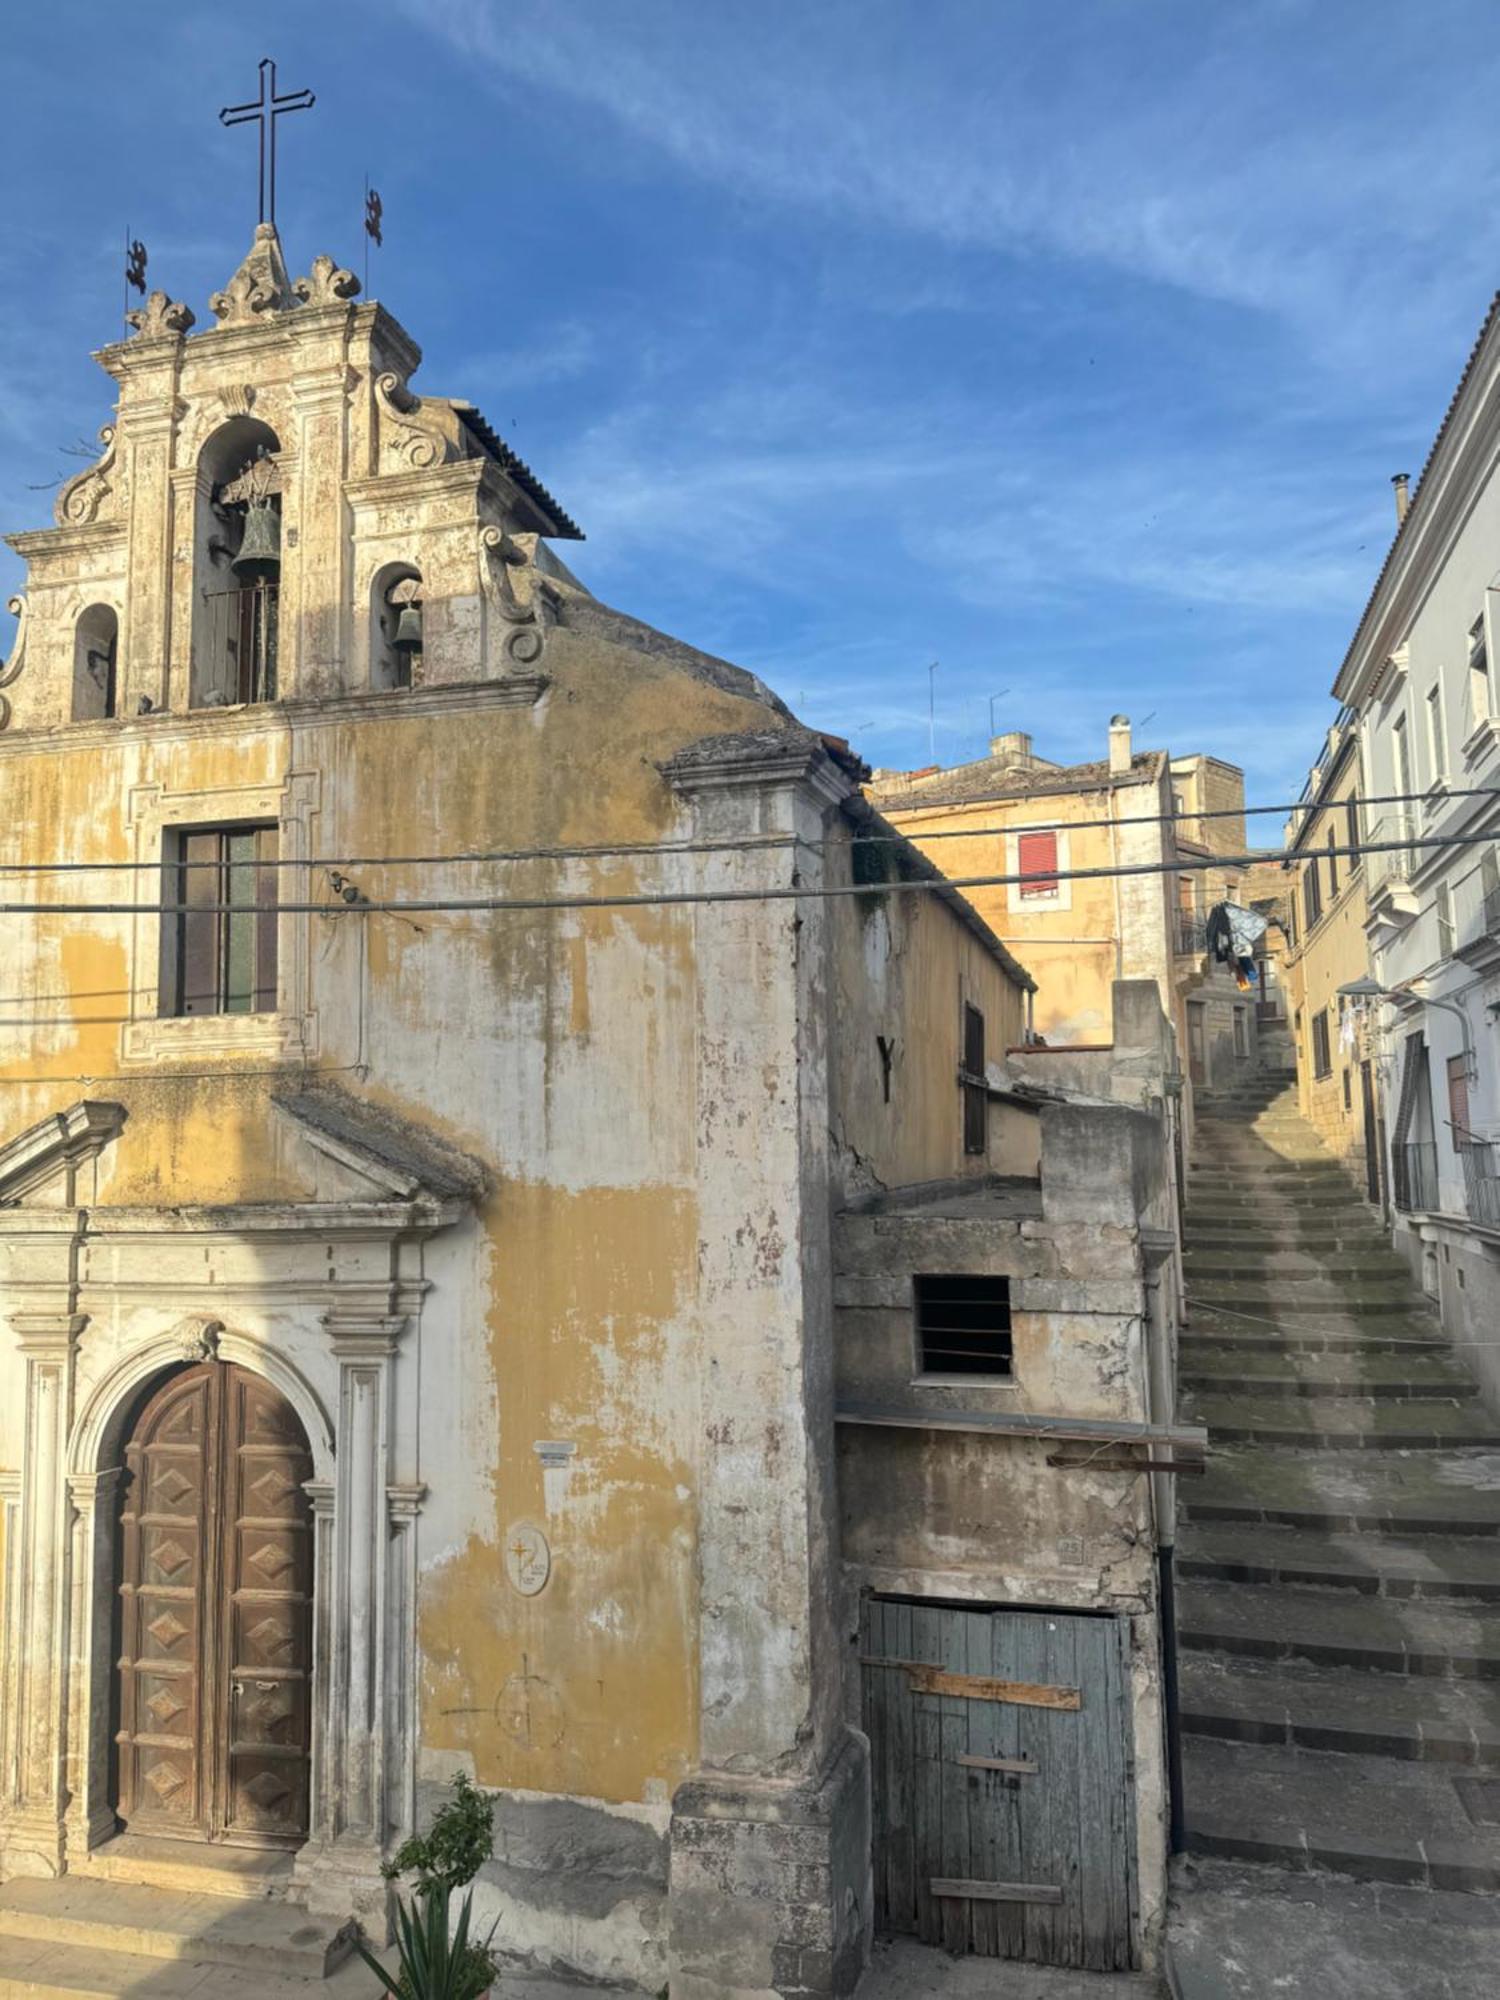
x,y
1402,484
1013,749
1119,746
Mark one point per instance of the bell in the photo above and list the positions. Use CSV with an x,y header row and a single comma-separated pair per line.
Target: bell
x,y
260,545
408,634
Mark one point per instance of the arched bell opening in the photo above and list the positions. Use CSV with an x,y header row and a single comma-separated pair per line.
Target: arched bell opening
x,y
237,566
96,645
396,626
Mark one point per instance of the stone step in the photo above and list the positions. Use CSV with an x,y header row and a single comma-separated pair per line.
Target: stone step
x,y
1216,1369
1378,1818
1356,1492
162,1924
1340,1629
1294,1266
1341,1708
30,1970
1434,1568
1253,1333
1344,1424
254,1874
1241,1233
1327,1301
1240,1930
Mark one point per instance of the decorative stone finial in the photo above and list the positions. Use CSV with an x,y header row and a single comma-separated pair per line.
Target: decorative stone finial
x,y
259,286
161,316
327,284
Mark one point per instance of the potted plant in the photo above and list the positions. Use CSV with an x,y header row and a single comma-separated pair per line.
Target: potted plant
x,y
431,1963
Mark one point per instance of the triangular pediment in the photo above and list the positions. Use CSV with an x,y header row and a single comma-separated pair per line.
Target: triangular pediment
x,y
352,1150
40,1166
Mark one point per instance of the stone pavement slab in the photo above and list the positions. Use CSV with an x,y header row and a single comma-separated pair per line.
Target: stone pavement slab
x,y
1246,1933
902,1970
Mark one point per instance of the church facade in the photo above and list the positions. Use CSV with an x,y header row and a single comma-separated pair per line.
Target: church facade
x,y
431,1074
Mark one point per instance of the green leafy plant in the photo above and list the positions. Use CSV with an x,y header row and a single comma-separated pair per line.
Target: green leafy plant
x,y
431,1964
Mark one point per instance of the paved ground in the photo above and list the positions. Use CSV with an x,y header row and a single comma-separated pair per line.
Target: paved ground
x,y
903,1971
1245,1933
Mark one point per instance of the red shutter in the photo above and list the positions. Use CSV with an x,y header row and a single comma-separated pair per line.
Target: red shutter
x,y
1036,854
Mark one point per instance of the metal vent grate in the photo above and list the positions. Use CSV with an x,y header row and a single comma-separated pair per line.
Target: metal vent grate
x,y
963,1324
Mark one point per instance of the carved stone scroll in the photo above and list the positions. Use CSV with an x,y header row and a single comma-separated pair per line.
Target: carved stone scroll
x,y
259,286
10,670
419,439
520,596
83,496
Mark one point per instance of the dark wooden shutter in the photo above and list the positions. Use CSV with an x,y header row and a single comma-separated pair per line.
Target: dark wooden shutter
x,y
976,1094
1036,856
1458,1100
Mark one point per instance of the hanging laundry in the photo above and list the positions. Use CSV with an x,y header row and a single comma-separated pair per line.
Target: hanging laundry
x,y
1233,932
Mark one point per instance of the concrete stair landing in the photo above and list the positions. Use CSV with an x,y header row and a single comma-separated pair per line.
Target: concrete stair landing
x,y
1339,1567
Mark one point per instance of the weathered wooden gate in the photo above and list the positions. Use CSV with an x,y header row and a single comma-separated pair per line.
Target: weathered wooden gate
x,y
1002,1772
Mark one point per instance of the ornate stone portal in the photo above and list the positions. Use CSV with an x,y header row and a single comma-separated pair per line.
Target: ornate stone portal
x,y
93,1346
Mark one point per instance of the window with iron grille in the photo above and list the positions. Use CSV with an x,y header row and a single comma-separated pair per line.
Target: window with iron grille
x,y
1322,1053
963,1324
975,1088
219,923
1348,1093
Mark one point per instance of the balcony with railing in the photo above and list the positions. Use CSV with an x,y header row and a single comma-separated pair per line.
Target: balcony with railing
x,y
1481,1164
1414,1177
1389,866
1481,948
1192,934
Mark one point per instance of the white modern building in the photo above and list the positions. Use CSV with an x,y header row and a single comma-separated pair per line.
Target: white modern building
x,y
1420,678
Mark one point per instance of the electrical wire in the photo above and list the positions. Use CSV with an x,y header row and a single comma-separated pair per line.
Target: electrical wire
x,y
789,892
754,842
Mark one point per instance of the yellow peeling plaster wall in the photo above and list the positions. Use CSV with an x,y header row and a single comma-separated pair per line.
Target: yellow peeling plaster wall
x,y
553,1035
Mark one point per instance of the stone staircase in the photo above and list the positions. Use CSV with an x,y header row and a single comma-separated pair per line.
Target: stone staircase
x,y
1339,1564
160,1919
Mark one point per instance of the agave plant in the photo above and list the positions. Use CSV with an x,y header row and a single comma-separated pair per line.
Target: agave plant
x,y
431,1964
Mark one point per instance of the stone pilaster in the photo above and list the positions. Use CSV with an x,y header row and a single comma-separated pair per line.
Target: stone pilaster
x,y
93,1499
339,1868
770,1838
34,1799
315,564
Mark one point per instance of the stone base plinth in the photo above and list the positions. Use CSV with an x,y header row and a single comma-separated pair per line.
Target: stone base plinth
x,y
770,1883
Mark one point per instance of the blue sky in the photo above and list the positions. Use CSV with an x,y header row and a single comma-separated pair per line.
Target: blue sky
x,y
1071,346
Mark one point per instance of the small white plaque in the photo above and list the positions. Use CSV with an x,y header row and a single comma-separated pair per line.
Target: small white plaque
x,y
528,1558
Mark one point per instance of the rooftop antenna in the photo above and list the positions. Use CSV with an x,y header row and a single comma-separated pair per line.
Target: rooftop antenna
x,y
993,699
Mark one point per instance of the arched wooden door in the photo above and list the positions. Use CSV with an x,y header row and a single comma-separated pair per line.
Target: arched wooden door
x,y
216,1613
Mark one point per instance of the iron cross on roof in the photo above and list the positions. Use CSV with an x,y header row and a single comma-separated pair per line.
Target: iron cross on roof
x,y
264,111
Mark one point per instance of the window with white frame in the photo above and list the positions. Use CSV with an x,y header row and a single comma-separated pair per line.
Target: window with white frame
x,y
1437,735
1447,935
1479,673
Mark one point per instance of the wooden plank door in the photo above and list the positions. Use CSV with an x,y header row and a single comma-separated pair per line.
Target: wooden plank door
x,y
1002,1782
215,1614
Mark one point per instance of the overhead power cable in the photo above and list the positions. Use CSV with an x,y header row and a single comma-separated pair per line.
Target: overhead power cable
x,y
772,893
754,842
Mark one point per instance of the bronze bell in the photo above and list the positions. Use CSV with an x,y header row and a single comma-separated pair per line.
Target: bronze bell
x,y
260,545
408,634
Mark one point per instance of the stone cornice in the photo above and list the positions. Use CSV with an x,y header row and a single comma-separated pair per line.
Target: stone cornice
x,y
87,535
47,1333
265,718
57,1146
368,1219
463,476
763,758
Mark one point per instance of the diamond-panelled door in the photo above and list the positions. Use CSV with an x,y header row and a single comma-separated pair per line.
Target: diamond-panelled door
x,y
215,1613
